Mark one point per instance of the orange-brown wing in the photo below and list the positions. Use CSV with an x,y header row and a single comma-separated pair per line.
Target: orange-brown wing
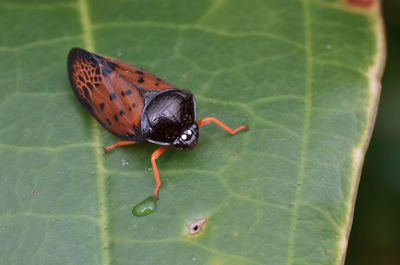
x,y
143,80
106,88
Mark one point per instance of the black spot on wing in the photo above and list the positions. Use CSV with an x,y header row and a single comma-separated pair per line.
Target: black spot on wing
x,y
113,96
87,94
126,93
101,106
90,86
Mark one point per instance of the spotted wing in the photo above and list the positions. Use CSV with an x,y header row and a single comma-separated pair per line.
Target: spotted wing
x,y
113,92
144,81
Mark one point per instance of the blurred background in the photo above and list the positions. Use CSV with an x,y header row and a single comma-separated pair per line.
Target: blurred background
x,y
375,236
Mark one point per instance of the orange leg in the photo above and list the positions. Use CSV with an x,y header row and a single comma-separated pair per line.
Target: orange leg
x,y
120,143
207,120
154,157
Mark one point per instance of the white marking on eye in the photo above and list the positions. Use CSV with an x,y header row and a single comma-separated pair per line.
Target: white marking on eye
x,y
184,136
189,132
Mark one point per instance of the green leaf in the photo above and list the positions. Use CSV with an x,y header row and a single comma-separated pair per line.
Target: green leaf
x,y
303,74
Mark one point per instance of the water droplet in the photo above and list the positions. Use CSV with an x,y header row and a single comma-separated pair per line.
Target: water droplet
x,y
146,207
194,259
119,53
124,163
329,46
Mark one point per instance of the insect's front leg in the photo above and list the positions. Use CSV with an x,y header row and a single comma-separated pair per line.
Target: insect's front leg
x,y
207,120
154,157
120,143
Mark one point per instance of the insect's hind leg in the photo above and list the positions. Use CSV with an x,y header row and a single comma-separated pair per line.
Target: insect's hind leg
x,y
207,120
120,143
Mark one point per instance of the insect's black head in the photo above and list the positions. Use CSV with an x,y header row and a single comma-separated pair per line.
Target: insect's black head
x,y
188,139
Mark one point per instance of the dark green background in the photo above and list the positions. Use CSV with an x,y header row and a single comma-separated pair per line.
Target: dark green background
x,y
375,236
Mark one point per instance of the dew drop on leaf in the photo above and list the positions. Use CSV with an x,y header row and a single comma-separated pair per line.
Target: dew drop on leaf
x,y
124,163
146,207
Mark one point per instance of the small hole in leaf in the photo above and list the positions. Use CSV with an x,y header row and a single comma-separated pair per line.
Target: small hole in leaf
x,y
196,226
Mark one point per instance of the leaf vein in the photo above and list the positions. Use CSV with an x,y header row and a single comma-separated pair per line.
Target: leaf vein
x,y
83,9
307,115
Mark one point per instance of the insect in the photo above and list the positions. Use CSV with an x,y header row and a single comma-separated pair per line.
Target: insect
x,y
136,105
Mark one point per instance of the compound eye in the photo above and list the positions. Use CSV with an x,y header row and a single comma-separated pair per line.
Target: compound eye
x,y
186,135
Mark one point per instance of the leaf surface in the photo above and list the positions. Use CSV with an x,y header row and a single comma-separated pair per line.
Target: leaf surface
x,y
303,74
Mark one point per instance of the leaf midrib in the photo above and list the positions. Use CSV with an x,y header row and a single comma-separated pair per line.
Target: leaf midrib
x,y
101,185
307,114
